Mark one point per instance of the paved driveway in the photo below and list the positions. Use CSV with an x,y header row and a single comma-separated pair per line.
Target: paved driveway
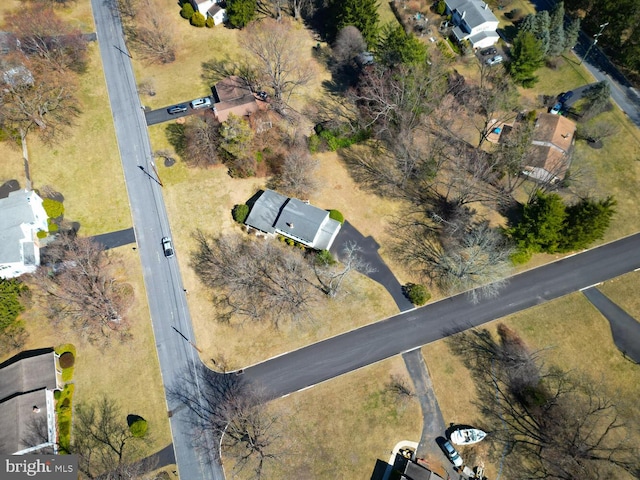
x,y
382,274
624,328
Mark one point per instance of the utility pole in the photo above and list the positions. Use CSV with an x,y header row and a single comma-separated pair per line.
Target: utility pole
x,y
595,40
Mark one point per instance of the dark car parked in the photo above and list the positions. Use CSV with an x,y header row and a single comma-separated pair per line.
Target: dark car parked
x,y
177,109
564,97
488,51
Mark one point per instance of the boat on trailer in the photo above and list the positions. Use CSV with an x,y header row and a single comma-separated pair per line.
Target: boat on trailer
x,y
467,436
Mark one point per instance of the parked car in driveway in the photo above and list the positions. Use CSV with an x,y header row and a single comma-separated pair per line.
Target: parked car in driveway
x,y
452,453
177,109
488,51
167,247
198,103
494,60
565,97
556,109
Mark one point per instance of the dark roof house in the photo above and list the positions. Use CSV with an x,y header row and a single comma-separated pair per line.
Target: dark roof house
x,y
273,213
27,382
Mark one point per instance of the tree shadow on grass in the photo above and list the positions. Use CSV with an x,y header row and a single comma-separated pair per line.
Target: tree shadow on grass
x,y
175,136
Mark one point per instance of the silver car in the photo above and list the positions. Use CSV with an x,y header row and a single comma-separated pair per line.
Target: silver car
x,y
496,59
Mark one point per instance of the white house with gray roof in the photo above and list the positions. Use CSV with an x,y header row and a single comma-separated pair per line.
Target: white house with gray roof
x,y
474,21
274,214
21,217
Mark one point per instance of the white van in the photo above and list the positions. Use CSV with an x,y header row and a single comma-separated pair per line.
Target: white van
x,y
201,103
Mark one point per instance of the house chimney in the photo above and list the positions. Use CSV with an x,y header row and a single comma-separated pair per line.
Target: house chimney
x,y
486,6
36,409
290,225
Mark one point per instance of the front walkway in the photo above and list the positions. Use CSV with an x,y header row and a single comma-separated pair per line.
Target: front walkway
x,y
382,274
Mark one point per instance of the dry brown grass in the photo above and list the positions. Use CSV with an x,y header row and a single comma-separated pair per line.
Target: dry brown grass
x,y
126,372
338,429
578,339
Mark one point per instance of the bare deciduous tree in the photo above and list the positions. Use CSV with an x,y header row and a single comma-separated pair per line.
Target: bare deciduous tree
x,y
457,256
296,177
554,425
298,8
104,443
43,34
331,274
80,288
259,280
275,47
150,37
228,408
202,140
35,98
348,44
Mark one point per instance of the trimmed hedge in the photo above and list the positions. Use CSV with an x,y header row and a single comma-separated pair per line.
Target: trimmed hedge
x,y
209,22
53,207
187,11
336,215
139,428
240,212
198,20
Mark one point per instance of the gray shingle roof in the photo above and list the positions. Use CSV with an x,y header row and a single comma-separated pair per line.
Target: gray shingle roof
x,y
301,220
475,11
265,211
17,419
14,211
26,372
24,380
275,213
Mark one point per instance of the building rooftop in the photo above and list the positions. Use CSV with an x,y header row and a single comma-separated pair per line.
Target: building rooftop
x,y
301,220
19,421
16,210
265,211
475,12
28,371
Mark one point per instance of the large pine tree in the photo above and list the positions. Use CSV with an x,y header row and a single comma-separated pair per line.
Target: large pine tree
x,y
527,56
556,31
587,221
362,14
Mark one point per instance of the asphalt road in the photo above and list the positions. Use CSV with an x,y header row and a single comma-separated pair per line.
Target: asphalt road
x,y
167,303
321,361
622,93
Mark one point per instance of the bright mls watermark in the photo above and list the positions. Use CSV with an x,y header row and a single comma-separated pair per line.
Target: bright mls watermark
x,y
39,467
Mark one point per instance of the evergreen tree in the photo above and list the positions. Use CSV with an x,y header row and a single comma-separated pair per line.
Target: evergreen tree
x,y
396,46
556,31
362,14
10,304
241,12
526,57
540,229
571,34
597,97
587,221
538,25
